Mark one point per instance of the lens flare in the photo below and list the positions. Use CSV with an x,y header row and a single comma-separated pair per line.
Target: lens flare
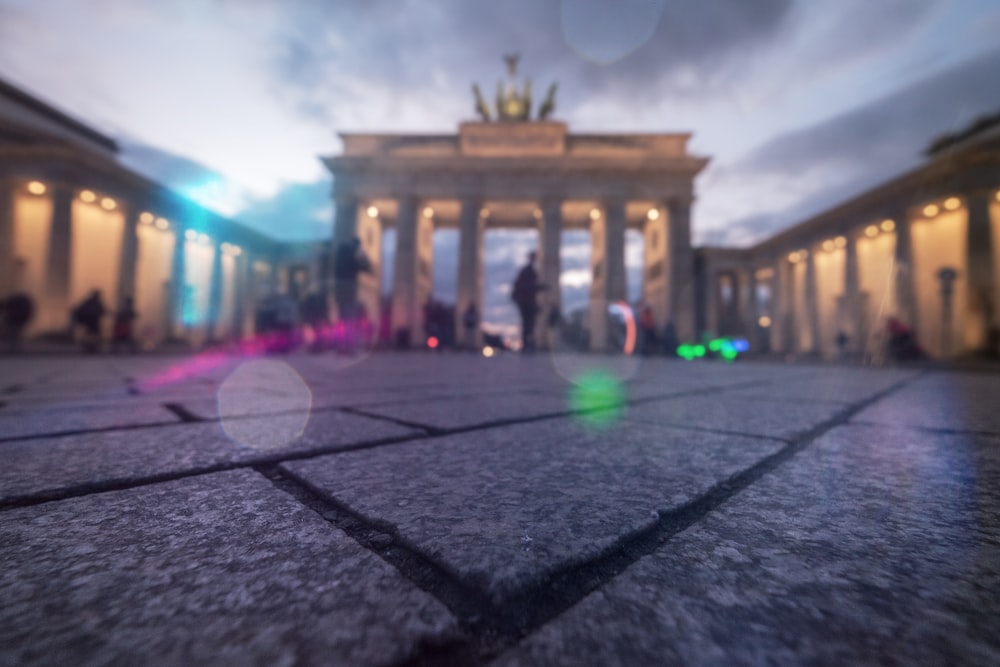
x,y
574,350
597,399
264,404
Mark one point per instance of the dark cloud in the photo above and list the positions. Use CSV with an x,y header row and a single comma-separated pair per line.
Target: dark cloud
x,y
859,149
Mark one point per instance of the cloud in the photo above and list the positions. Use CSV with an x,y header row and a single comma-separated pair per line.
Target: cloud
x,y
298,212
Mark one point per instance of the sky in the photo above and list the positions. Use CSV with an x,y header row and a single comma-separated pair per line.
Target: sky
x,y
799,103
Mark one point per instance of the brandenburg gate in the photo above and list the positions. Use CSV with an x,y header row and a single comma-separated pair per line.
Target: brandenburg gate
x,y
512,170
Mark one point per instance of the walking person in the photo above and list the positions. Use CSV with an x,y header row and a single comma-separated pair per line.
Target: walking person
x,y
88,315
525,296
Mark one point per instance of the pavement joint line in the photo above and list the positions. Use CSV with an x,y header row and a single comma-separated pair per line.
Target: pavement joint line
x,y
87,431
536,605
936,430
183,413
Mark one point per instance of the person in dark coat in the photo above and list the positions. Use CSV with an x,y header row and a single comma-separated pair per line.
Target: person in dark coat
x,y
88,315
525,296
17,311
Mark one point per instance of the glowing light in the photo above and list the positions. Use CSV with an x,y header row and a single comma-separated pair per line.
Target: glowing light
x,y
597,399
741,345
191,235
433,342
888,225
653,214
626,312
793,257
828,245
372,212
537,213
484,212
997,196
716,344
428,212
108,204
930,210
488,352
161,223
840,241
951,203
699,350
871,230
146,218
764,321
803,253
594,214
87,196
36,188
203,239
246,392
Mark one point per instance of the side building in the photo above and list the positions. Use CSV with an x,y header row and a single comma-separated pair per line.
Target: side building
x,y
74,220
922,249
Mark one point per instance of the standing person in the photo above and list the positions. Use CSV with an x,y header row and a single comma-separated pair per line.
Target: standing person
x,y
122,333
88,315
349,262
17,313
525,295
470,321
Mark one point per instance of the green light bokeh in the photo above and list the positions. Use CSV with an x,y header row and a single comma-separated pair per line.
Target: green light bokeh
x,y
597,399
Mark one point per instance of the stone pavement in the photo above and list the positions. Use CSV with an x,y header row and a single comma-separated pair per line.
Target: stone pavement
x,y
429,509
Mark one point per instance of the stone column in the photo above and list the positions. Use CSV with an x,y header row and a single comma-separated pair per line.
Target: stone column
x,y
681,269
852,296
60,247
608,265
7,255
906,296
780,341
345,228
812,304
655,282
241,290
212,332
129,256
750,313
175,326
405,310
712,295
550,240
470,270
982,301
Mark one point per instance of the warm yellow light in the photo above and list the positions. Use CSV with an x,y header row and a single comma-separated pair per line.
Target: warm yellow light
x,y
871,230
764,321
191,235
108,204
840,241
146,218
653,214
594,214
803,253
428,212
484,212
87,196
888,225
372,212
930,210
793,257
828,245
487,351
998,195
537,213
36,188
951,203
161,223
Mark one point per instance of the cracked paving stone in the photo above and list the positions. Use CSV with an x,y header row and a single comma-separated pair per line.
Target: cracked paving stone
x,y
19,422
46,466
874,545
505,506
948,402
748,416
470,411
219,569
842,385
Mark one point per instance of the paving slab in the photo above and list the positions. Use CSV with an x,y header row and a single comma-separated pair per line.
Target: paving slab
x,y
739,415
949,402
875,545
469,411
505,506
45,467
836,384
19,422
215,569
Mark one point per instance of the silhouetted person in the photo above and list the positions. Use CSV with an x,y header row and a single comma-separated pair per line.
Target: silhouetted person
x,y
647,329
123,331
17,312
841,340
902,343
349,262
525,295
470,322
88,316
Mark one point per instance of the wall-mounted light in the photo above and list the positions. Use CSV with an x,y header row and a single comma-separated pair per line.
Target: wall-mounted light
x,y
537,213
428,212
930,210
828,245
764,321
108,204
653,214
484,212
887,225
162,224
146,218
793,257
36,188
203,239
87,196
952,203
191,235
594,214
372,212
871,231
840,242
